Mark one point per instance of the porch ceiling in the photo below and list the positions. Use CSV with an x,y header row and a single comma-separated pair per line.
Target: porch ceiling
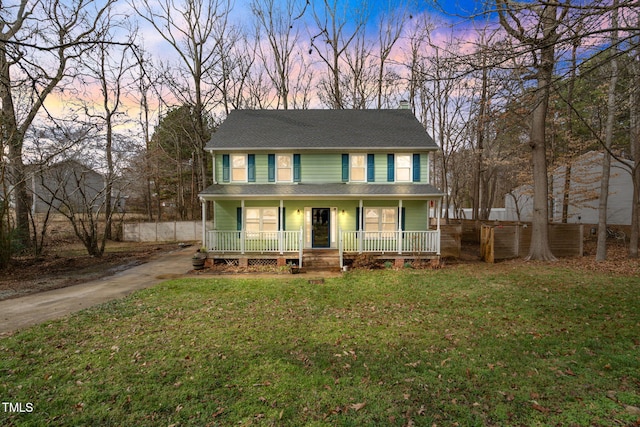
x,y
322,191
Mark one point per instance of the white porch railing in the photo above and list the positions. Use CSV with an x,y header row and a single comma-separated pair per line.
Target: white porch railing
x,y
254,241
262,242
400,242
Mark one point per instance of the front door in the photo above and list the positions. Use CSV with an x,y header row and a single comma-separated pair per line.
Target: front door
x,y
321,227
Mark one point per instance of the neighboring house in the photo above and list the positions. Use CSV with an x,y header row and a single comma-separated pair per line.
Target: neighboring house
x,y
584,193
288,183
66,185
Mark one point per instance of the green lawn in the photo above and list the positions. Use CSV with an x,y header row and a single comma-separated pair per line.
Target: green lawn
x,y
465,345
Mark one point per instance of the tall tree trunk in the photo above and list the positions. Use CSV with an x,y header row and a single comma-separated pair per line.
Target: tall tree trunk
x,y
570,90
477,178
13,138
539,249
601,249
634,137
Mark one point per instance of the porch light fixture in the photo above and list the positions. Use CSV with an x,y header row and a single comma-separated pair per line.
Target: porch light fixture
x,y
298,211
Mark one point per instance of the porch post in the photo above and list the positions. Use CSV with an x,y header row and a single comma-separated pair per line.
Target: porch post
x,y
300,245
281,227
242,227
213,155
204,223
340,248
400,226
361,226
439,204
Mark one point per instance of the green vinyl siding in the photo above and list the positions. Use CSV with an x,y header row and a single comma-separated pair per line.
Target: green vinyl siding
x,y
415,214
225,215
321,168
318,168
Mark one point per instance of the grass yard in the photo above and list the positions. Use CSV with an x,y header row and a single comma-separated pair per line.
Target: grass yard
x,y
465,345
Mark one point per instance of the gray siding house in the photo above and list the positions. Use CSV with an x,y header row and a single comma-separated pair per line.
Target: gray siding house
x,y
288,183
68,184
584,192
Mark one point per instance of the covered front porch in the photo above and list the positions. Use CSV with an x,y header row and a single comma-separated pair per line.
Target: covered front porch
x,y
293,228
289,244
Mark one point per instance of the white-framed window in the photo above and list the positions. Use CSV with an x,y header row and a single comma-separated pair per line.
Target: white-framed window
x,y
238,167
284,167
261,219
380,220
358,167
404,163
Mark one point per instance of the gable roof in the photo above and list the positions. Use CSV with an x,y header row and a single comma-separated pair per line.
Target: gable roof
x,y
282,130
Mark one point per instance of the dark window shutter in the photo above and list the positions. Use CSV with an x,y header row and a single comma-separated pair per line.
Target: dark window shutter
x,y
296,168
403,217
416,167
225,168
357,219
239,219
391,164
271,159
345,168
251,168
371,172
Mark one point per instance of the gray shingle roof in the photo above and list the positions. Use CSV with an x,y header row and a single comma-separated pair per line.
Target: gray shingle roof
x,y
320,129
338,190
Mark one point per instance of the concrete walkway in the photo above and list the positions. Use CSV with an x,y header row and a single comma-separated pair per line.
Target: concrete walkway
x,y
32,309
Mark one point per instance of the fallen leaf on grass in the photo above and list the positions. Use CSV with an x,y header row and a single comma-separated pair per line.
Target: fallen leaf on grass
x,y
217,413
357,406
540,408
264,384
632,410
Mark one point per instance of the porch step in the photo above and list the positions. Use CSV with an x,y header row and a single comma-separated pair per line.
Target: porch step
x,y
321,259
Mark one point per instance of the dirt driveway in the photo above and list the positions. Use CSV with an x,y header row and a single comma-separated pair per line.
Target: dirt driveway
x,y
29,310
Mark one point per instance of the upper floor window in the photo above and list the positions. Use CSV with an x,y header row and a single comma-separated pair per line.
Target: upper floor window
x,y
284,167
403,168
358,168
239,167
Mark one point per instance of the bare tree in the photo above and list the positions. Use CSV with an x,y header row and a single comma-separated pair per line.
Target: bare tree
x,y
634,137
237,56
191,28
337,25
540,42
358,77
108,65
390,26
447,113
277,23
36,58
601,250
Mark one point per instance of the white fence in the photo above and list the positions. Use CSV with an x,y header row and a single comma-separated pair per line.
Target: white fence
x,y
170,231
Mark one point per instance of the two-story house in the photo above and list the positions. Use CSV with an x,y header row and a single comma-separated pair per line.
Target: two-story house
x,y
289,184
